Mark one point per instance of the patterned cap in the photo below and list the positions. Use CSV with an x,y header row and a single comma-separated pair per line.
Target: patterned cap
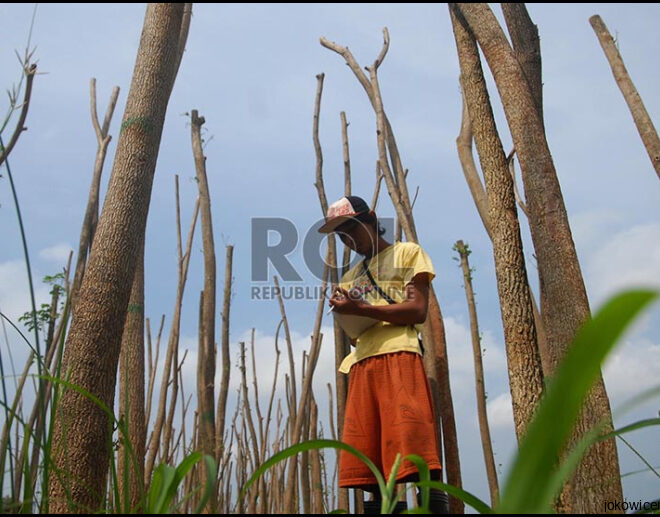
x,y
343,210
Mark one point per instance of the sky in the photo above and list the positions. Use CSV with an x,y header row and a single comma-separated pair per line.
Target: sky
x,y
250,70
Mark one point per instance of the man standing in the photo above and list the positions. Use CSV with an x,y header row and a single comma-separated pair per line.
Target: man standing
x,y
389,406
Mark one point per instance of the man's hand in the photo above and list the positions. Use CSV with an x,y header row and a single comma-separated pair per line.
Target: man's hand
x,y
345,302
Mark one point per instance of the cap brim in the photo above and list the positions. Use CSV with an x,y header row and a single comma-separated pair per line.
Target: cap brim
x,y
333,223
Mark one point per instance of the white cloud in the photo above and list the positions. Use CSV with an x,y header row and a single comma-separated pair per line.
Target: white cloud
x,y
58,253
629,258
459,341
15,293
500,412
631,369
589,228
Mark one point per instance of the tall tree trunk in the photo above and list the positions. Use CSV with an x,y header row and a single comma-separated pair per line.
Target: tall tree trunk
x,y
82,431
436,361
564,303
131,396
633,99
342,346
523,358
206,355
527,48
171,355
91,212
484,429
226,364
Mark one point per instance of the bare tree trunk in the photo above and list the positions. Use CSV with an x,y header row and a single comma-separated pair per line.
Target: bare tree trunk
x,y
484,429
345,263
464,148
526,48
130,470
224,382
317,486
523,358
633,99
342,347
171,355
302,411
564,303
91,212
30,70
206,355
81,435
435,361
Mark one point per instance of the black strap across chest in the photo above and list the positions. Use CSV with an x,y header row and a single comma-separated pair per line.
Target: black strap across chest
x,y
376,286
384,295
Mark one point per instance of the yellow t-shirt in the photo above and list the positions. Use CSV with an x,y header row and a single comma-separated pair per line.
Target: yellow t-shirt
x,y
392,268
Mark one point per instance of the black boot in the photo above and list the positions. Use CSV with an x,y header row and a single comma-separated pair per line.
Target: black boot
x,y
400,507
373,507
438,501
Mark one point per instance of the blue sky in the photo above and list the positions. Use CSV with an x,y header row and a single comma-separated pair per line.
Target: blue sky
x,y
250,71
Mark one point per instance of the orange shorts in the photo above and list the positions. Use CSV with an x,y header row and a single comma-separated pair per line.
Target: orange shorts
x,y
389,410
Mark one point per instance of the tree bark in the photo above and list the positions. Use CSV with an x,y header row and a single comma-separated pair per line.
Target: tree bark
x,y
82,431
342,348
206,355
130,467
484,429
526,47
630,94
171,355
224,382
436,361
564,303
30,70
91,212
523,358
464,148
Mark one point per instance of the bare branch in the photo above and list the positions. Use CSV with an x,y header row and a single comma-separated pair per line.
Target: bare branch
x,y
30,71
638,111
386,47
512,170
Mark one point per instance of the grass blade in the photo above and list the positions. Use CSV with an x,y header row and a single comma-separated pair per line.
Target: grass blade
x,y
526,488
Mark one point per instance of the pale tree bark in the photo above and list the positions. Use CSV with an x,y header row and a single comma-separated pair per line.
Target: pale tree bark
x,y
171,354
435,359
637,109
302,411
30,70
484,429
317,484
523,358
91,212
224,381
469,167
564,303
206,355
342,346
346,259
82,431
130,466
